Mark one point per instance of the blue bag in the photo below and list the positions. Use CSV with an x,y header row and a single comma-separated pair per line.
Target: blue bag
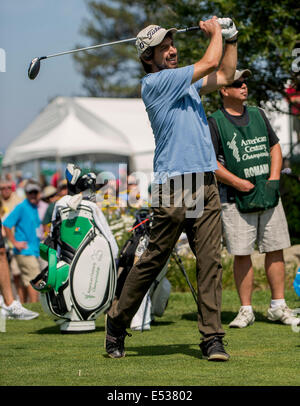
x,y
296,283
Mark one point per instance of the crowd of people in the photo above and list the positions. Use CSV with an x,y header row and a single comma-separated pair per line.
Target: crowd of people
x,y
26,207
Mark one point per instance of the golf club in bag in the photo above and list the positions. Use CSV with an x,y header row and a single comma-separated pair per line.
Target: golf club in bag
x,y
156,299
35,64
178,261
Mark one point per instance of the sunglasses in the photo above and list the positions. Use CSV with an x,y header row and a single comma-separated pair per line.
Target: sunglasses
x,y
6,188
33,192
237,84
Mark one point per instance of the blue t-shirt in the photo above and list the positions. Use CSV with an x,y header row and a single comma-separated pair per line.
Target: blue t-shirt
x,y
25,219
182,137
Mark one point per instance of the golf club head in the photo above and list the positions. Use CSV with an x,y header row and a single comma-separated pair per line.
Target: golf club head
x,y
34,68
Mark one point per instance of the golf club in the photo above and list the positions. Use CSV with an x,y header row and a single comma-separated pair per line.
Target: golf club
x,y
35,64
178,261
180,264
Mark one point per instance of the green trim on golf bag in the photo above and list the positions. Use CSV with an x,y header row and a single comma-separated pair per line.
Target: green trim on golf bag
x,y
80,280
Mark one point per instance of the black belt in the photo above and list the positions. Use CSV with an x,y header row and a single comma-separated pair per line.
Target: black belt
x,y
209,178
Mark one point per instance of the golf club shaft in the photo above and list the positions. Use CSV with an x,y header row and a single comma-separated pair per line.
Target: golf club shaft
x,y
179,263
188,29
91,47
109,43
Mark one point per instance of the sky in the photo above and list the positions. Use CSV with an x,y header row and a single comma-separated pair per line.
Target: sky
x,y
31,28
28,29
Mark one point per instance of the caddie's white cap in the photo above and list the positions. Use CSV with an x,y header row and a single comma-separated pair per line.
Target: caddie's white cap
x,y
150,37
49,191
242,73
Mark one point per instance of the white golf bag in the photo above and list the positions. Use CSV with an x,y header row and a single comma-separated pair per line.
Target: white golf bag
x,y
80,280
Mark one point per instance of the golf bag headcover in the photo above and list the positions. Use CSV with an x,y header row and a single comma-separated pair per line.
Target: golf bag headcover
x,y
80,180
80,280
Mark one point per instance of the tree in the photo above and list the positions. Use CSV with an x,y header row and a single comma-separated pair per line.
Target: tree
x,y
112,71
268,32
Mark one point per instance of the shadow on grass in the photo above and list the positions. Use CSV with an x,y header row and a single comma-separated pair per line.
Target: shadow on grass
x,y
227,317
56,330
161,323
159,350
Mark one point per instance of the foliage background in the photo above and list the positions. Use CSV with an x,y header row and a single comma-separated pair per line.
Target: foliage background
x,y
268,33
290,195
121,226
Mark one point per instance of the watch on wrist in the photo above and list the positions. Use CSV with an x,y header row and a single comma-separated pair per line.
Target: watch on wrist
x,y
231,41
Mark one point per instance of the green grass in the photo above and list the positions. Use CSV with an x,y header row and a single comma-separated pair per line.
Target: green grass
x,y
264,354
260,280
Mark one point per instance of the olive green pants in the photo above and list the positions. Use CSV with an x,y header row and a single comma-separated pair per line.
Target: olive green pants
x,y
204,236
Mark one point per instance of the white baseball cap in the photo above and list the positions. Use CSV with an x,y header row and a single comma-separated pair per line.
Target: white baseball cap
x,y
242,73
49,191
32,186
150,37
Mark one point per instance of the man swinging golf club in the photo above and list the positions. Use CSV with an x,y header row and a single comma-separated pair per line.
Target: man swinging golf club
x,y
183,150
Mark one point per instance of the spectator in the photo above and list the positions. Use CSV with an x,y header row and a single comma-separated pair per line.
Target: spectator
x,y
135,199
249,164
9,198
42,208
42,180
62,190
9,201
49,195
9,179
25,219
19,178
11,309
56,177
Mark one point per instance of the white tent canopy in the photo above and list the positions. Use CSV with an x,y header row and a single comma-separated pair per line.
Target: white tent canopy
x,y
110,129
86,125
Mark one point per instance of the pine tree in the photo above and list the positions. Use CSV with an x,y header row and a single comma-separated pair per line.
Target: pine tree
x,y
112,71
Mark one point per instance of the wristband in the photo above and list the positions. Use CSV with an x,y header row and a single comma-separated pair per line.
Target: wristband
x,y
233,41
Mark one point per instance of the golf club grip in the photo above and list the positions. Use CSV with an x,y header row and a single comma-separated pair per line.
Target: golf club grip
x,y
198,28
179,263
192,29
188,29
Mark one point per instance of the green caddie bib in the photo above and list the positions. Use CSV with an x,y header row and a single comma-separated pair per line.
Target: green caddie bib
x,y
247,155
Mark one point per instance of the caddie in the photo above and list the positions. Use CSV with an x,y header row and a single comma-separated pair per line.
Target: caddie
x,y
249,165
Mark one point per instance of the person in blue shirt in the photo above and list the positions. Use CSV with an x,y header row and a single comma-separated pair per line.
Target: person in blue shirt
x,y
185,194
10,308
25,237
